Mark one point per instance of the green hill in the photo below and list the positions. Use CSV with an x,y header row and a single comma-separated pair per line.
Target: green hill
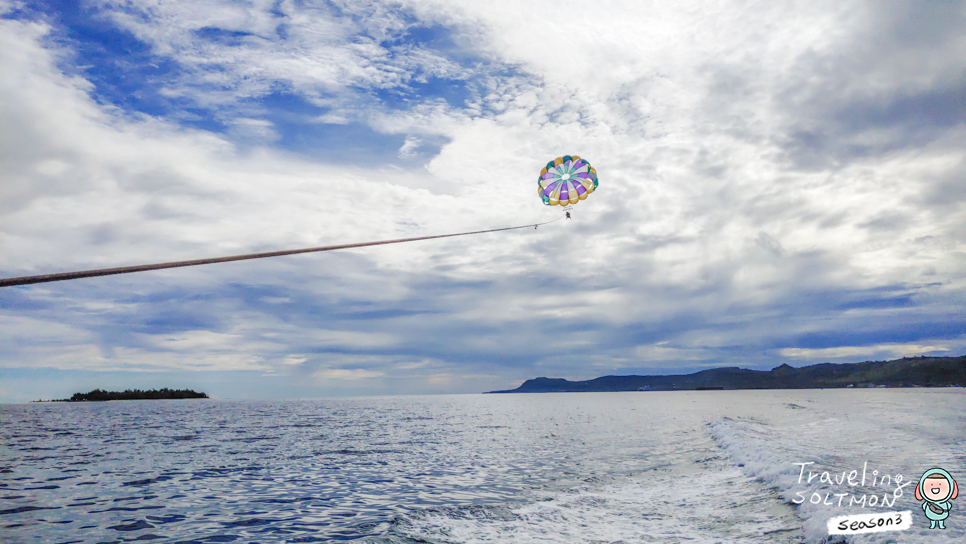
x,y
906,372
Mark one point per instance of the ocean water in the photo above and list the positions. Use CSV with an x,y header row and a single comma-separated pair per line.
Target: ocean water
x,y
701,466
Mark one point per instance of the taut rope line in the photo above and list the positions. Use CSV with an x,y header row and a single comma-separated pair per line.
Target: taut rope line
x,y
26,280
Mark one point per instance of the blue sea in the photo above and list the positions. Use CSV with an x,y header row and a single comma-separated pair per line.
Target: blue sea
x,y
700,466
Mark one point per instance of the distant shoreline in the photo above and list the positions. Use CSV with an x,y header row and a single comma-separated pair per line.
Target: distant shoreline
x,y
99,395
905,372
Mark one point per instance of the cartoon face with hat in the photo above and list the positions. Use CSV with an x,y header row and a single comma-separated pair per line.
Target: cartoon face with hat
x,y
936,488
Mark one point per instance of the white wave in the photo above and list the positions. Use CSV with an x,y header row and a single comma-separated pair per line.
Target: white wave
x,y
698,503
888,440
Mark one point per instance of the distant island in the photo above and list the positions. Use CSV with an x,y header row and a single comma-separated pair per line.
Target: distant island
x,y
98,395
905,372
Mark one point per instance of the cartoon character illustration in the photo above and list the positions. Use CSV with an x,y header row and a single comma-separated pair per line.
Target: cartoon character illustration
x,y
936,488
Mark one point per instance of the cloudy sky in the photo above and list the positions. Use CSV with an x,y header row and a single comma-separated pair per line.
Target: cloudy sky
x,y
780,182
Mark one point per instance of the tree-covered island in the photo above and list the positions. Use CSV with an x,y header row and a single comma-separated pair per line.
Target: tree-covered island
x,y
136,394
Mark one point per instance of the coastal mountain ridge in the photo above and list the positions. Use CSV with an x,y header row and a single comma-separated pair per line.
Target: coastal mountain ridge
x,y
905,372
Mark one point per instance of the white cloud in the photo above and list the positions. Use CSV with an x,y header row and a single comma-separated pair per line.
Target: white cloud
x,y
293,360
894,350
321,51
353,339
662,352
347,374
333,119
408,150
415,365
751,172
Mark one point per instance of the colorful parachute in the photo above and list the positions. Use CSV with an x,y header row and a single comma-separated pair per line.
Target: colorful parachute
x,y
566,180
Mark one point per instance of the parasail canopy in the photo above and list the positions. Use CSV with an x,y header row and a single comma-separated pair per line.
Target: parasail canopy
x,y
566,180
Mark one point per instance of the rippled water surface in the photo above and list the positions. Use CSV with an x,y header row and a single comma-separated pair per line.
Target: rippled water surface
x,y
709,466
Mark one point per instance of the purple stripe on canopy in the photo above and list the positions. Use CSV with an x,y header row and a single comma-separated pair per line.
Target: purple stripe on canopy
x,y
550,188
549,175
564,192
580,189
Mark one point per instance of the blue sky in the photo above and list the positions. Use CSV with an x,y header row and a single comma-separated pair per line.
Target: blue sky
x,y
779,183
